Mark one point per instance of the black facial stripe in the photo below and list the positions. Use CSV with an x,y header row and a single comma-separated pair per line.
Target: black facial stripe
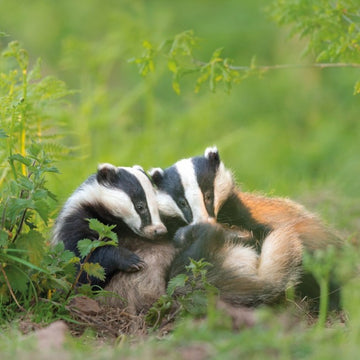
x,y
205,173
172,185
129,183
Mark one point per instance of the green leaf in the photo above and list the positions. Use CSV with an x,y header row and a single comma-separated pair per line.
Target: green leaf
x,y
17,206
24,160
25,182
27,263
85,246
33,243
95,270
178,281
3,238
103,230
17,279
43,209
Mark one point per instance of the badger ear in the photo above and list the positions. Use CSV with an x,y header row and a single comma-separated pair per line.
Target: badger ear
x,y
156,174
106,173
212,154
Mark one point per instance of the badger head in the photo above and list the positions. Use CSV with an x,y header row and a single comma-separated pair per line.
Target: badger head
x,y
127,193
193,189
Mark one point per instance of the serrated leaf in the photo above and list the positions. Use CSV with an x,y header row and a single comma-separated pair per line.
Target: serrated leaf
x,y
196,304
43,209
68,257
17,206
178,281
25,182
103,230
24,160
95,270
85,246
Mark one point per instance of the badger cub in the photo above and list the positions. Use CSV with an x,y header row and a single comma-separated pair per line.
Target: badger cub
x,y
199,190
121,196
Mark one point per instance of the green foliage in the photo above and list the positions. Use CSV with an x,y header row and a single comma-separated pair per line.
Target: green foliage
x,y
86,247
332,28
190,293
28,268
321,265
333,31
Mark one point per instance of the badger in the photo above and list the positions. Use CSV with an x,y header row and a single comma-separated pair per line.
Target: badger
x,y
125,197
199,191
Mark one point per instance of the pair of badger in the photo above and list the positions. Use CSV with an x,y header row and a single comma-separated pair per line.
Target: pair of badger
x,y
255,257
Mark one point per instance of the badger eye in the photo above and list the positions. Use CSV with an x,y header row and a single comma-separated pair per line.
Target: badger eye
x,y
208,197
182,202
140,206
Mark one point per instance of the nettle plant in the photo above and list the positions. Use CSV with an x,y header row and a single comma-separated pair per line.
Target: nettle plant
x,y
332,31
29,145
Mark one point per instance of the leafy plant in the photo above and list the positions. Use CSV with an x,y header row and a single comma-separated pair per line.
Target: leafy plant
x,y
186,294
86,247
28,150
321,265
332,30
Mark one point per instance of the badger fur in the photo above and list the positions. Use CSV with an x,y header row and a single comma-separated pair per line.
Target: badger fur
x,y
237,270
200,190
120,196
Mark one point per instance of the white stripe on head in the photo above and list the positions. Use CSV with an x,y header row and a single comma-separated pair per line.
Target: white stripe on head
x,y
149,191
116,201
167,205
223,186
192,190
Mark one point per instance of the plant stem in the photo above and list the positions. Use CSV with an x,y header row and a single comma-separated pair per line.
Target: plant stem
x,y
286,66
10,288
18,230
324,289
81,270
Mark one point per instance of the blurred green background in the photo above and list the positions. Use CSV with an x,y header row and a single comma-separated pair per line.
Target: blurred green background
x,y
292,133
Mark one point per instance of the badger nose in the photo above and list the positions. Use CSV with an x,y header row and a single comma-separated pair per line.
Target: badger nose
x,y
211,220
160,230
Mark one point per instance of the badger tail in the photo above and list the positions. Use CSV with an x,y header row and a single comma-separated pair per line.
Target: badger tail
x,y
246,278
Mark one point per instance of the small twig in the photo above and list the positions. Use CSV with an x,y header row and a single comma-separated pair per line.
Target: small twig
x,y
286,66
18,230
24,213
10,289
78,275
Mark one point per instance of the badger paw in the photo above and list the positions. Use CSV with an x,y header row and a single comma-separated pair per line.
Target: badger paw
x,y
136,266
133,264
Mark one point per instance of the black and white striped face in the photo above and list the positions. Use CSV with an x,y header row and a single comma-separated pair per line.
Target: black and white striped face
x,y
126,193
193,189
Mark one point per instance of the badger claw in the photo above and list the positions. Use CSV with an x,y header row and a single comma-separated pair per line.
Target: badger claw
x,y
136,266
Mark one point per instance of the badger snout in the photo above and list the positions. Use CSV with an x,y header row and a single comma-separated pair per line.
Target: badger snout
x,y
154,231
